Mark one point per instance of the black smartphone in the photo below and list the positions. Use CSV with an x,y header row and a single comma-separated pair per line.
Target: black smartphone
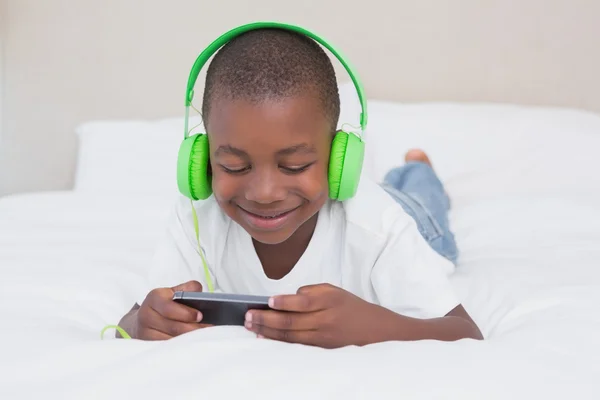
x,y
222,308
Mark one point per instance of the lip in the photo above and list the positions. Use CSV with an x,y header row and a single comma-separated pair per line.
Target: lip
x,y
267,221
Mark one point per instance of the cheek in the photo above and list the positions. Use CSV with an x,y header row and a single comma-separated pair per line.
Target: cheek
x,y
224,187
314,183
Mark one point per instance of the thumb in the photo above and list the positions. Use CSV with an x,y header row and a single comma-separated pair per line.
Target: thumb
x,y
190,286
315,288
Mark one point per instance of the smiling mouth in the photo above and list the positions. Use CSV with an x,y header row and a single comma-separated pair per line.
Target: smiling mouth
x,y
271,221
271,215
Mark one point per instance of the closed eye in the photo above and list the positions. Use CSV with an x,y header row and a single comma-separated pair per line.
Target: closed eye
x,y
296,170
235,171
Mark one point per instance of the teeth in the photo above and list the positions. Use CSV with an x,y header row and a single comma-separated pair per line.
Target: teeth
x,y
268,216
271,216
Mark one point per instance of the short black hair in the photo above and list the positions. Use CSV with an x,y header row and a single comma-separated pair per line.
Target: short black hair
x,y
271,64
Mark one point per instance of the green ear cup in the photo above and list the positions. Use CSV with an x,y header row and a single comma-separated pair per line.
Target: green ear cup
x,y
336,163
193,179
345,165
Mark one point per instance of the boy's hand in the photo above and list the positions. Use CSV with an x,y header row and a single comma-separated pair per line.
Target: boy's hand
x,y
320,315
159,317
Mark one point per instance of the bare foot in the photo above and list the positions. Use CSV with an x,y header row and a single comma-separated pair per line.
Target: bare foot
x,y
417,155
420,156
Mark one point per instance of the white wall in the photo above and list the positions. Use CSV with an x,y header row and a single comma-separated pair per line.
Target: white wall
x,y
1,88
70,61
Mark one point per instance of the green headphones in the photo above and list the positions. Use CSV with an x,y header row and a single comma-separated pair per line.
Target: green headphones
x,y
347,150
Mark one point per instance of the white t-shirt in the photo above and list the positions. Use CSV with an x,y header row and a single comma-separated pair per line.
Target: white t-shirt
x,y
367,245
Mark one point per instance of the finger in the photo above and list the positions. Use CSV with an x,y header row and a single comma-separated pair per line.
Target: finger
x,y
169,309
190,286
170,327
153,334
283,320
309,298
317,287
175,328
310,302
303,337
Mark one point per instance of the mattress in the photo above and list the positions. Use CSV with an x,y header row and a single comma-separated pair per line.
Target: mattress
x,y
526,214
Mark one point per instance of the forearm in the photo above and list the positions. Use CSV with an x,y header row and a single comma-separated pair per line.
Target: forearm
x,y
128,322
448,328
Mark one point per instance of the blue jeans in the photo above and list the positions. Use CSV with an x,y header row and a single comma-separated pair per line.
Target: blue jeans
x,y
420,192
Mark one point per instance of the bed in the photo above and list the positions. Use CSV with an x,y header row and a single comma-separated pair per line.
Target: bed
x,y
525,189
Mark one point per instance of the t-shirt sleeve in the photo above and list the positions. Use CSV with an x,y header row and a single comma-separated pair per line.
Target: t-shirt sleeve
x,y
177,258
411,278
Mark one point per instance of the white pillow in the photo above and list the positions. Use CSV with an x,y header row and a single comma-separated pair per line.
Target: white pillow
x,y
130,156
490,150
140,157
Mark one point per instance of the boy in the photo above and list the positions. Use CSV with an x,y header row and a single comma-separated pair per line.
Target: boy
x,y
370,269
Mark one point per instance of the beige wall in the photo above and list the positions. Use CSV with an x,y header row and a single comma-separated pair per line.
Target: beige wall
x,y
2,25
70,61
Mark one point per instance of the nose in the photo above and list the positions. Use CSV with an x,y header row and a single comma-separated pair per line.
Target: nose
x,y
265,188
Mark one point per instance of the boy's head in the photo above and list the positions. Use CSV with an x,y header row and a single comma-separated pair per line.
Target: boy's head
x,y
270,108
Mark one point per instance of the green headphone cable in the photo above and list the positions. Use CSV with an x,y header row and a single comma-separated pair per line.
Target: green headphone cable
x,y
197,125
206,270
207,277
124,334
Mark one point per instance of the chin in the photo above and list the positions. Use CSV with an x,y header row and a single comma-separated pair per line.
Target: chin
x,y
271,238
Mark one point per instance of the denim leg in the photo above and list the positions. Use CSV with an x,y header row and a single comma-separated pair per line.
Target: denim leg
x,y
420,192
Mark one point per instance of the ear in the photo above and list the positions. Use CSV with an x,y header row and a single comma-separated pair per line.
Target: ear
x,y
334,133
209,166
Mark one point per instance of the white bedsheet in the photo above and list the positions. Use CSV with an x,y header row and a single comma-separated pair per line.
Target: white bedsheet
x,y
68,263
529,274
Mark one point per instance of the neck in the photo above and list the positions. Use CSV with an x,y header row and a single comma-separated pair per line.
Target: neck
x,y
279,259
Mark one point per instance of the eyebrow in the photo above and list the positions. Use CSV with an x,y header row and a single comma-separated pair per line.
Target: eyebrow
x,y
227,149
299,148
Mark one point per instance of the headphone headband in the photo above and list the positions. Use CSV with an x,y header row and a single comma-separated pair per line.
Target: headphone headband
x,y
228,36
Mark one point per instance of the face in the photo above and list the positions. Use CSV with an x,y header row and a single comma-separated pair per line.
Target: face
x,y
269,163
